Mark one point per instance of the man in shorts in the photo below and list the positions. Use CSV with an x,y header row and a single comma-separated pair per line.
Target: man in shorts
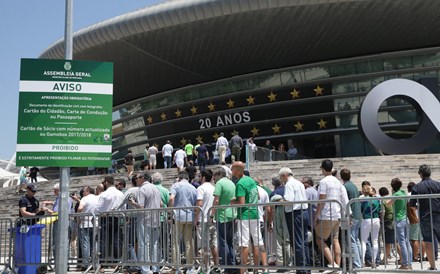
x,y
429,210
246,192
328,215
152,151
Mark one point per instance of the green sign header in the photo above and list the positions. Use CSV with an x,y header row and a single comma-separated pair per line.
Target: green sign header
x,y
65,113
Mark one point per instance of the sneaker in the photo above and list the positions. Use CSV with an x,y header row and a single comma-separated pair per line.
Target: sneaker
x,y
336,269
217,270
432,268
405,267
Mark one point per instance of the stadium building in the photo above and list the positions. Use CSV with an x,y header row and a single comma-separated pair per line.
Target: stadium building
x,y
292,71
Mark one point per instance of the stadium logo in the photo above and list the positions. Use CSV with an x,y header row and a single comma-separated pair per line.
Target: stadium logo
x,y
425,103
67,66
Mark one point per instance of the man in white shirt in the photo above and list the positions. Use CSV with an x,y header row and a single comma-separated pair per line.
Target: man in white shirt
x,y
109,242
152,151
148,198
87,206
328,215
167,152
179,159
297,218
221,146
202,221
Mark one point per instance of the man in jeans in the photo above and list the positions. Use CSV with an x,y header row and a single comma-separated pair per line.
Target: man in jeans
x,y
400,216
429,210
87,205
167,153
297,218
353,193
223,193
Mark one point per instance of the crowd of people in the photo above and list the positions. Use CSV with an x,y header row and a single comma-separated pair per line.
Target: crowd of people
x,y
214,215
201,154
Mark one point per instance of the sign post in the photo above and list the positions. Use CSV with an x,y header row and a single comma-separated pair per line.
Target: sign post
x,y
64,120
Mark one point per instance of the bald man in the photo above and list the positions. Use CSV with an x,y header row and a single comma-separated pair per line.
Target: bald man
x,y
246,192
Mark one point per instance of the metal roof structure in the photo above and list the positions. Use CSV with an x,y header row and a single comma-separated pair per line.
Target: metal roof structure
x,y
187,42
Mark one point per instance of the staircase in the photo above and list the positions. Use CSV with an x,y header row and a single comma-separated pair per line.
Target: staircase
x,y
379,170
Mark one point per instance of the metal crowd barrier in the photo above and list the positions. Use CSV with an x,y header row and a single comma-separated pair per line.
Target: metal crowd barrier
x,y
6,245
265,155
169,240
279,240
149,239
384,232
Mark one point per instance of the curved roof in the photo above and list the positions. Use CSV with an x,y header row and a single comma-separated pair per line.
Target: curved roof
x,y
186,42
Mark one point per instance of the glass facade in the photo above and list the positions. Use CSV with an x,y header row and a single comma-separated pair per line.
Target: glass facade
x,y
305,102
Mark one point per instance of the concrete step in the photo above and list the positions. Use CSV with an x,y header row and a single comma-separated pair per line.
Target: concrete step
x,y
379,170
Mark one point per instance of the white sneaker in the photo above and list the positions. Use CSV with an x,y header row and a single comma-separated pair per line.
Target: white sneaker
x,y
335,270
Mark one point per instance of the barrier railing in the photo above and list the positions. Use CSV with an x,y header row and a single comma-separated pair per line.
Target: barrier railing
x,y
148,239
235,239
366,234
277,240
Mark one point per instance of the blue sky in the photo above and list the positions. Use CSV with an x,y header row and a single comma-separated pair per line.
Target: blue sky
x,y
27,27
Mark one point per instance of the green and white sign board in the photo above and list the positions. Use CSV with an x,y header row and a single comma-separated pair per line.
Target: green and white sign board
x,y
65,113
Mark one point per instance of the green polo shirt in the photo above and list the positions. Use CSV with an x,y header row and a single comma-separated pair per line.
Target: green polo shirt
x,y
246,187
225,190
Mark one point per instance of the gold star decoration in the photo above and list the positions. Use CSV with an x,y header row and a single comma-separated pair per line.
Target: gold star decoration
x,y
322,124
215,135
183,141
272,97
276,129
163,116
211,106
255,131
150,120
230,103
299,126
318,91
234,132
194,110
295,93
250,100
199,139
178,113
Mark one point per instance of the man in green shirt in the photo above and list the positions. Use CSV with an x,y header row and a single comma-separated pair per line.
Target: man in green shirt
x,y
189,149
355,217
401,224
223,193
246,192
157,179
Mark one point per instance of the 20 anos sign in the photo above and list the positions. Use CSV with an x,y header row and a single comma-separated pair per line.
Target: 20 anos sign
x,y
425,103
225,120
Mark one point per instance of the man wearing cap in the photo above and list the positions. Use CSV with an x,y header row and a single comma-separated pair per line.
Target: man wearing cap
x,y
29,206
246,192
221,146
